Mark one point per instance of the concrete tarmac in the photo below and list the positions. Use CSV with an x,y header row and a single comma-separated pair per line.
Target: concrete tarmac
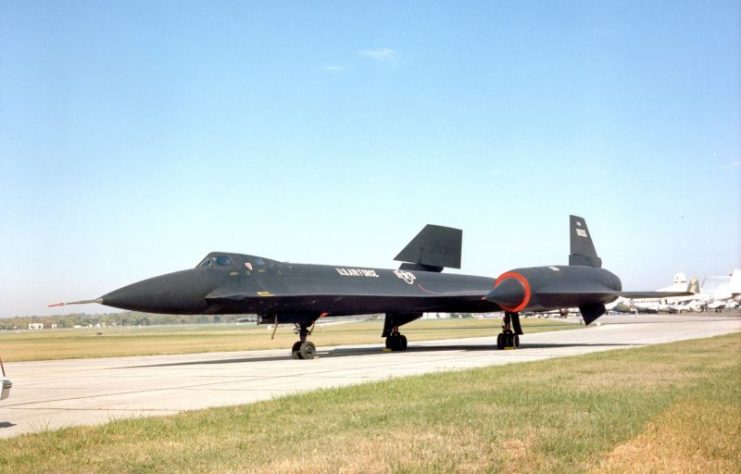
x,y
48,395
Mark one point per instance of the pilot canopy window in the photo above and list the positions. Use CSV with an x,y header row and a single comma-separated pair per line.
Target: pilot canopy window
x,y
216,261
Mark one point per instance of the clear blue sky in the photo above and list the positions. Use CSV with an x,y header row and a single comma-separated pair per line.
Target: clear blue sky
x,y
137,136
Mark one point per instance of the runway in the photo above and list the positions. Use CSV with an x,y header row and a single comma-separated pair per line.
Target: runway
x,y
53,394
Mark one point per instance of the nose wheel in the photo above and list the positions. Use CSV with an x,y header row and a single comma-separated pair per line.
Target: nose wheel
x,y
303,349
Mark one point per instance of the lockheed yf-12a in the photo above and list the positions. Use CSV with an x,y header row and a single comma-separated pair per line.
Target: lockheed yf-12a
x,y
282,292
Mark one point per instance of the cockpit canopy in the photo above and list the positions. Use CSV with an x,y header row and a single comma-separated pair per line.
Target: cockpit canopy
x,y
216,261
226,260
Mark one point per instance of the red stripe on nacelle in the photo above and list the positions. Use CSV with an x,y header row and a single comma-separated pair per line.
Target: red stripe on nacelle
x,y
525,286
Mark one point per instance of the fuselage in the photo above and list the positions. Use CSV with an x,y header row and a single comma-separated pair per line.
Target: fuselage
x,y
227,283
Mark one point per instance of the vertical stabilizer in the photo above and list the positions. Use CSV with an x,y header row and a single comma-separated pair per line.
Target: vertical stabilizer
x,y
735,283
582,247
432,249
693,286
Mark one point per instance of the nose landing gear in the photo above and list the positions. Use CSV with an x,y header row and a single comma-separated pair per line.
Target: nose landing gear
x,y
303,349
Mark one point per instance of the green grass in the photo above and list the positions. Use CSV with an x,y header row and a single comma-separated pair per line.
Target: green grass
x,y
673,407
120,341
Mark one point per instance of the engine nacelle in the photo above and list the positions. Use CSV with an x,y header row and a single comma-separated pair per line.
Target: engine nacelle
x,y
555,287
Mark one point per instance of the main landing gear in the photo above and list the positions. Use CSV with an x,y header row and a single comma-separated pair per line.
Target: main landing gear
x,y
396,341
303,349
509,338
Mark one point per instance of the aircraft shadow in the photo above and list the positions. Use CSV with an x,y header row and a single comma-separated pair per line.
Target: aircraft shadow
x,y
6,424
378,351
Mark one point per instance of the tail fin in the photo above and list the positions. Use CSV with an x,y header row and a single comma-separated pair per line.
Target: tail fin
x,y
582,248
432,249
693,286
734,284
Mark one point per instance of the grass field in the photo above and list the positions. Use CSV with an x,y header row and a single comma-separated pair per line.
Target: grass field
x,y
665,408
120,341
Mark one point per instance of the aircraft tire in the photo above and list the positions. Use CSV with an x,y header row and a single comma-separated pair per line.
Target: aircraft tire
x,y
500,341
396,342
515,341
295,350
307,350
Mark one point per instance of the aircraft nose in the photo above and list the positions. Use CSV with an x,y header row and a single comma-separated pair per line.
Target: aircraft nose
x,y
180,293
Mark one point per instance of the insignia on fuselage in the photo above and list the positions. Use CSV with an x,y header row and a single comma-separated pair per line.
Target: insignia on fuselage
x,y
408,277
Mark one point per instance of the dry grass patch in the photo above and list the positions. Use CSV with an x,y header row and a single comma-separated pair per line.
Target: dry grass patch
x,y
699,433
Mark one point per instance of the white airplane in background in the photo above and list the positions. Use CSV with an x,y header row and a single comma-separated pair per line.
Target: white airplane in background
x,y
656,305
715,294
723,292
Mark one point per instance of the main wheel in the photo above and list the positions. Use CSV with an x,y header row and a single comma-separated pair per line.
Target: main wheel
x,y
295,350
515,341
500,341
396,343
307,350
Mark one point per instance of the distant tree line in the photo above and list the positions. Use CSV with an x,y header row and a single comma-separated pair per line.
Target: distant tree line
x,y
127,318
134,318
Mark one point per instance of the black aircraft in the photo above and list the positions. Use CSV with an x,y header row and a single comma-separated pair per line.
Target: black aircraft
x,y
282,292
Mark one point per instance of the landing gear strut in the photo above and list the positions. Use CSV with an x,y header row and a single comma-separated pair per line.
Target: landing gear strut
x,y
303,349
396,341
509,338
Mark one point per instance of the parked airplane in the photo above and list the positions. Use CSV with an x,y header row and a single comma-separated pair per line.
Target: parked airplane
x,y
723,288
715,294
282,292
622,305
